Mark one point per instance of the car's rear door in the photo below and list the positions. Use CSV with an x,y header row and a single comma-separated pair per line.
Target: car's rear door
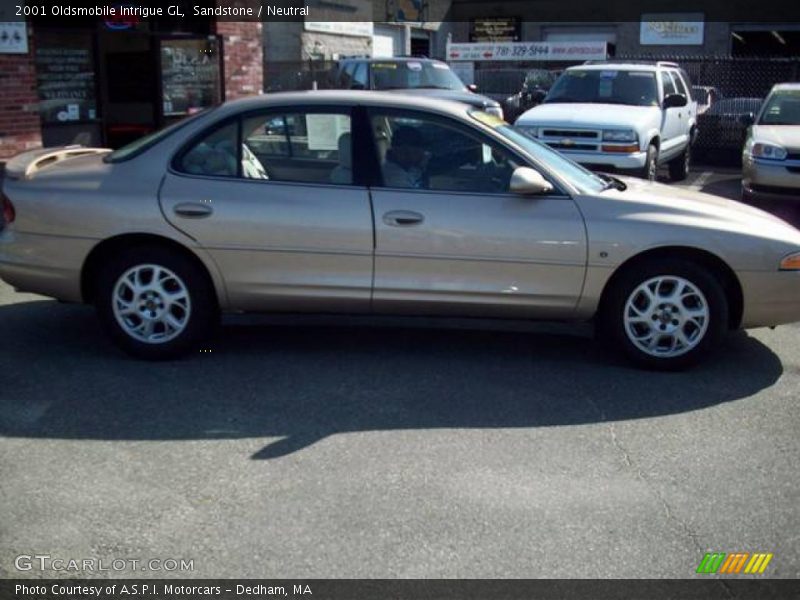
x,y
456,241
271,197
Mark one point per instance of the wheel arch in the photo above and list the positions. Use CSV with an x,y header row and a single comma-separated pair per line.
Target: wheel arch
x,y
718,268
121,242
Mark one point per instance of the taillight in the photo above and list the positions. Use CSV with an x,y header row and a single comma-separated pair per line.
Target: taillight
x,y
9,214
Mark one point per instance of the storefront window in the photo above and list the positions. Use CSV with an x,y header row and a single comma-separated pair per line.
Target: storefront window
x,y
190,77
65,77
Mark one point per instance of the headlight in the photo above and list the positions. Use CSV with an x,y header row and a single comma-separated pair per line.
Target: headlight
x,y
791,262
619,135
768,151
494,110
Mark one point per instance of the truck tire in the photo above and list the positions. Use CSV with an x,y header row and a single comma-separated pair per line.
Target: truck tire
x,y
679,166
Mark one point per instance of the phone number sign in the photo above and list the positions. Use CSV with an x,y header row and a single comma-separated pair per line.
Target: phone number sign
x,y
542,51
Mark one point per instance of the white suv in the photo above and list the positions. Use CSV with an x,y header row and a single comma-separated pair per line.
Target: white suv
x,y
625,116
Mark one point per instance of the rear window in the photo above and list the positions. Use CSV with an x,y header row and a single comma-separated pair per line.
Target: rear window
x,y
136,147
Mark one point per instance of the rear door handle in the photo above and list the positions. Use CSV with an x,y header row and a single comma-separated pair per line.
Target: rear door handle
x,y
193,210
402,218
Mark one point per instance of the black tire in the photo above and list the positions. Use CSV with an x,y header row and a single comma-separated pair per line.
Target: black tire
x,y
199,321
650,168
679,166
611,316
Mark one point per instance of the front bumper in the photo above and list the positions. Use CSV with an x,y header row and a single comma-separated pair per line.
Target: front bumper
x,y
770,298
770,178
622,162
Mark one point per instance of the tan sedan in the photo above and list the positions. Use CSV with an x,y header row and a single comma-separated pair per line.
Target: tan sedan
x,y
363,202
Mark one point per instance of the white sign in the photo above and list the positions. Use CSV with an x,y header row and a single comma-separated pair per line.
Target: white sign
x,y
542,51
358,28
671,29
324,131
13,37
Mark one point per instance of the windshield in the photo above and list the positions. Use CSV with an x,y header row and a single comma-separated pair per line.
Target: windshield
x,y
414,74
735,106
782,108
637,88
580,177
540,79
143,143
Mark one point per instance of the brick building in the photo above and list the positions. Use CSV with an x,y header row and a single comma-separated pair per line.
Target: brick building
x,y
99,82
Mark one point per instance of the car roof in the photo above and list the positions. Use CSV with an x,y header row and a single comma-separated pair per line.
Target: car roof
x,y
342,98
385,59
786,86
615,66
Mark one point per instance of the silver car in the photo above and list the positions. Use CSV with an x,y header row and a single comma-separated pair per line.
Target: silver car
x,y
365,202
771,156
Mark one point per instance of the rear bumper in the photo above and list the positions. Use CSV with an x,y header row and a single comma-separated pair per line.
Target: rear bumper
x,y
770,298
42,264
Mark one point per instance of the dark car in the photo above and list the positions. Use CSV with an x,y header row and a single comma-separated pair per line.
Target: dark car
x,y
423,76
534,89
722,129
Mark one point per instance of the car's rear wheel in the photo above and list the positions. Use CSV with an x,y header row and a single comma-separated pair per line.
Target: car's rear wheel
x,y
650,169
155,303
679,167
665,314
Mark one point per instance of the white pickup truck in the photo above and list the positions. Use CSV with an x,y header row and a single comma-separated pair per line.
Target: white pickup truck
x,y
623,116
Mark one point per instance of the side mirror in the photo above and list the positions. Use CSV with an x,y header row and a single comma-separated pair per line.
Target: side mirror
x,y
747,119
675,101
472,87
527,181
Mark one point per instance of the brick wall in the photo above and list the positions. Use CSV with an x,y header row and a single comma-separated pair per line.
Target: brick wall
x,y
20,128
243,56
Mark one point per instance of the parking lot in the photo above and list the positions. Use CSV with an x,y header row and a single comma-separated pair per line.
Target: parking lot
x,y
366,447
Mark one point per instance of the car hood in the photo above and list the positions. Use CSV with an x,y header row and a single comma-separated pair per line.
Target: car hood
x,y
587,115
783,135
464,97
670,205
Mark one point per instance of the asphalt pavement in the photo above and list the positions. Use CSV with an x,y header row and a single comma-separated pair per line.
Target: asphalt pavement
x,y
316,447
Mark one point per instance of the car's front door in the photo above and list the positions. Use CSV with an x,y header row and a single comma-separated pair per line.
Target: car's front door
x,y
272,199
451,238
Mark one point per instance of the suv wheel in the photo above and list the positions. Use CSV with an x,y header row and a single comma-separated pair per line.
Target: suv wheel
x,y
679,167
650,169
665,314
155,303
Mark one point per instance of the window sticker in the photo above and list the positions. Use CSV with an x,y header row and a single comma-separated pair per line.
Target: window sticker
x,y
608,74
605,88
324,131
415,66
442,66
384,65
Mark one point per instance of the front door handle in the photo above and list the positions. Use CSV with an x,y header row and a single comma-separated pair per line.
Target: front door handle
x,y
402,218
193,210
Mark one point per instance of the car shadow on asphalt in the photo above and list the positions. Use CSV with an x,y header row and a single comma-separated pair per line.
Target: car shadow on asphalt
x,y
303,382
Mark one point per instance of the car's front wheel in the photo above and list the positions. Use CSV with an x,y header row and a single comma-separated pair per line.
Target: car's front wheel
x,y
650,169
155,303
665,314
